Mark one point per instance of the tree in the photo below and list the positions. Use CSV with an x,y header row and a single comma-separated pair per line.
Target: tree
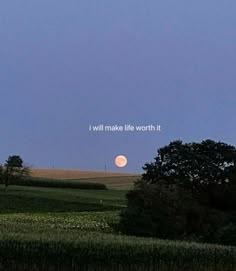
x,y
198,165
13,170
188,191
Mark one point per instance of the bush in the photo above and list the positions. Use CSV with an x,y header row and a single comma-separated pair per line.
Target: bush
x,y
154,210
222,197
172,212
227,235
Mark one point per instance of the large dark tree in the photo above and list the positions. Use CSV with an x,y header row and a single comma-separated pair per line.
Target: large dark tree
x,y
198,165
188,191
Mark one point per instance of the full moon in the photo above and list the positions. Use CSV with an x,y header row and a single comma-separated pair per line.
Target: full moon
x,y
121,161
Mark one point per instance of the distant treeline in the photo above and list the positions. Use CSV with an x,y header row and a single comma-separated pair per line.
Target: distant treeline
x,y
54,183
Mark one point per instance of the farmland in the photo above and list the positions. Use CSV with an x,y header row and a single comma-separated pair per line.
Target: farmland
x,y
46,228
110,179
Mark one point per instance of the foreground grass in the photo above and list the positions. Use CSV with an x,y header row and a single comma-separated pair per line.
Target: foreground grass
x,y
94,251
70,229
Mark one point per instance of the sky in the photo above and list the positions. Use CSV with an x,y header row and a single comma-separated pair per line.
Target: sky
x,y
66,65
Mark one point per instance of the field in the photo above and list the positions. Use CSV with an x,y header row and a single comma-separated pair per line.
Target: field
x,y
110,179
46,228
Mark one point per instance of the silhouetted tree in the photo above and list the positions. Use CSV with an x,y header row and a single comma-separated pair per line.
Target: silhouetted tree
x,y
197,165
13,169
189,190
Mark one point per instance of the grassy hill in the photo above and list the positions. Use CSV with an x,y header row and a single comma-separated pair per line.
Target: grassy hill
x,y
72,229
53,228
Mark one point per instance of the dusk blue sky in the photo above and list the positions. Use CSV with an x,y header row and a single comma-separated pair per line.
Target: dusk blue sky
x,y
67,64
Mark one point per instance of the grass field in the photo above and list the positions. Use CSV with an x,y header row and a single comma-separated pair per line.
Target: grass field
x,y
45,200
45,228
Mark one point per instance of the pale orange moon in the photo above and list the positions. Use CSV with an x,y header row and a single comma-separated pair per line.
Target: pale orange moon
x,y
121,161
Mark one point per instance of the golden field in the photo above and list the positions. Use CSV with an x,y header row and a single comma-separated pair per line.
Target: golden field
x,y
111,179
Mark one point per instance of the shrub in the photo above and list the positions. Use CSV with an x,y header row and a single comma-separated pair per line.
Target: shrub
x,y
226,234
172,212
154,210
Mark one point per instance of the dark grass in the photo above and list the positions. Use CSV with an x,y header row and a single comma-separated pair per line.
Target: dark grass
x,y
20,199
96,252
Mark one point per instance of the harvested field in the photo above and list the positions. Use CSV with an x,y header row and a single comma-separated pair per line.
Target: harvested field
x,y
111,179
